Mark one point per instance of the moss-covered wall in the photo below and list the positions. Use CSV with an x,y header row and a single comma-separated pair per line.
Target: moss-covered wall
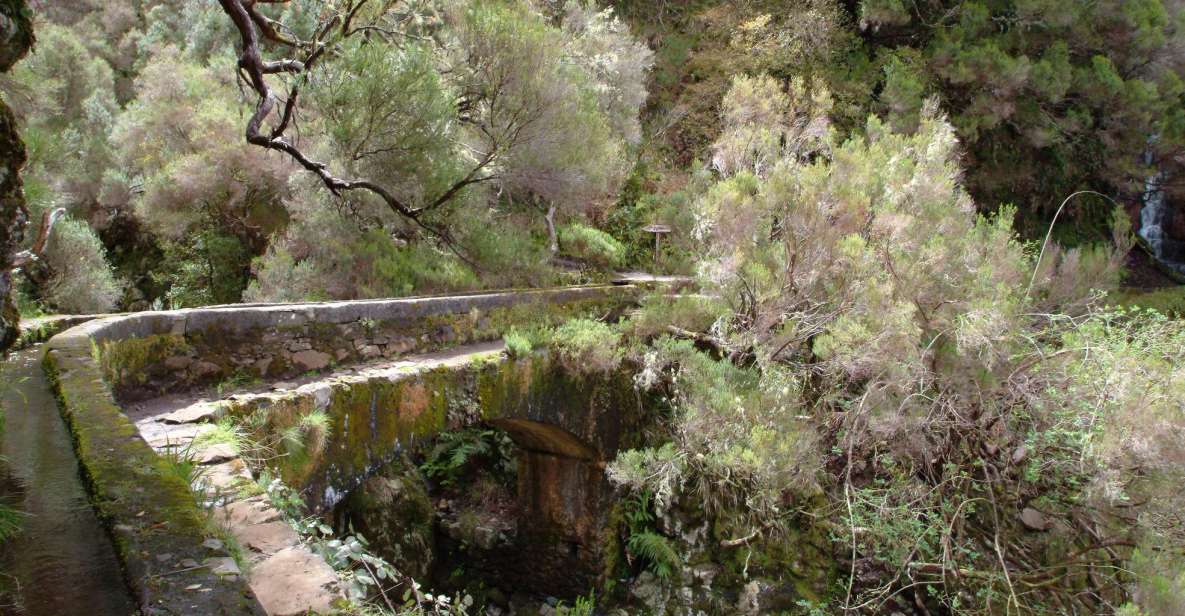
x,y
241,346
147,506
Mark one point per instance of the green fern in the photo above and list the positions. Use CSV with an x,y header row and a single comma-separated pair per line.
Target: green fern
x,y
455,451
657,551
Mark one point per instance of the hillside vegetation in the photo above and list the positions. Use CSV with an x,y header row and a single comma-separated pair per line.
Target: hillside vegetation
x,y
897,386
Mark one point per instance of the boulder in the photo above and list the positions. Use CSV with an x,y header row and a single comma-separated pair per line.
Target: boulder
x,y
393,511
311,360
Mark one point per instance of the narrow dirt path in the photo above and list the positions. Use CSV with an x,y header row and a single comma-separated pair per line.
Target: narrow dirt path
x,y
62,562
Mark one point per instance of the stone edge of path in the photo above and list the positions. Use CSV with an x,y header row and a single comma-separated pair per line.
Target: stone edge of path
x,y
288,578
148,508
151,511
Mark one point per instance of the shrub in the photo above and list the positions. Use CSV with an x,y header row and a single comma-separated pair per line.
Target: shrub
x,y
591,245
892,354
517,343
586,346
82,280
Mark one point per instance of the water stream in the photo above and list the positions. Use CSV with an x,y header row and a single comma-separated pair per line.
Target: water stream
x,y
1154,217
62,563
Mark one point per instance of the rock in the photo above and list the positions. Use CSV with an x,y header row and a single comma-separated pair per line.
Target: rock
x,y
203,370
311,360
177,363
1019,455
195,413
749,601
370,351
215,454
1033,519
164,558
485,537
212,544
393,511
226,477
341,354
262,365
647,589
294,582
222,566
284,386
267,539
705,573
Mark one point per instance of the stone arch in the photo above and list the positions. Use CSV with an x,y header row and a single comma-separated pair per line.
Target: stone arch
x,y
543,437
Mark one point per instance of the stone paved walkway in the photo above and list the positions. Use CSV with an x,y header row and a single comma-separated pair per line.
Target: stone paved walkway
x,y
286,576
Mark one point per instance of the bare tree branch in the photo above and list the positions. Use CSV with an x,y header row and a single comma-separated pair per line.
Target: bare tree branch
x,y
48,220
251,25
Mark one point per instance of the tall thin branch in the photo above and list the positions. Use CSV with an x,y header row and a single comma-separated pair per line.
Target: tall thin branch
x,y
252,26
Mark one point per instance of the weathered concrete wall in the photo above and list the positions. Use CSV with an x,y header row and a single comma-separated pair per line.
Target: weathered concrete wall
x,y
147,354
150,509
567,425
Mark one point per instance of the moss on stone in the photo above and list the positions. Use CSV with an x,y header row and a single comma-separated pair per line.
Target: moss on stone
x,y
126,363
149,509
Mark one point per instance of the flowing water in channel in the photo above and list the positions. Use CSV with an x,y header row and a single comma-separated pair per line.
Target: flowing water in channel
x,y
63,562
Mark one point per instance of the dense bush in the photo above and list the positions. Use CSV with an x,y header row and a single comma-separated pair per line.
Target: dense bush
x,y
81,280
591,246
890,348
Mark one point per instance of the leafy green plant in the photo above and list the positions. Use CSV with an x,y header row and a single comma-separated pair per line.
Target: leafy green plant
x,y
517,344
591,245
240,378
10,522
179,462
226,431
456,454
587,346
583,606
645,542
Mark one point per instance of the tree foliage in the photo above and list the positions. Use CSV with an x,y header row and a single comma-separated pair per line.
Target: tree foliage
x,y
887,347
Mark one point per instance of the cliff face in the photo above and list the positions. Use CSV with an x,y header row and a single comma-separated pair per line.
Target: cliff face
x,y
16,37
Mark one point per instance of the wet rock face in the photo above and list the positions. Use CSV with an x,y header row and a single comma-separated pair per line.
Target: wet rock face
x,y
16,37
393,512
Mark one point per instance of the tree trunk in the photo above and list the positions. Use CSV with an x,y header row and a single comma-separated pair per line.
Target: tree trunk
x,y
16,37
553,241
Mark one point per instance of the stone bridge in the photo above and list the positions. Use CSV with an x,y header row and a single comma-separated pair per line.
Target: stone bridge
x,y
384,373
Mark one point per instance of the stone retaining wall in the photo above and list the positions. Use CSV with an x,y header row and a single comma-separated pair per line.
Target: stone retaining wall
x,y
148,354
151,510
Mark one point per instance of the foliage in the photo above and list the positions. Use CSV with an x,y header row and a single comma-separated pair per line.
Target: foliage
x,y
882,348
65,97
389,113
591,245
587,346
81,280
207,268
180,141
763,124
646,543
1048,96
457,454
